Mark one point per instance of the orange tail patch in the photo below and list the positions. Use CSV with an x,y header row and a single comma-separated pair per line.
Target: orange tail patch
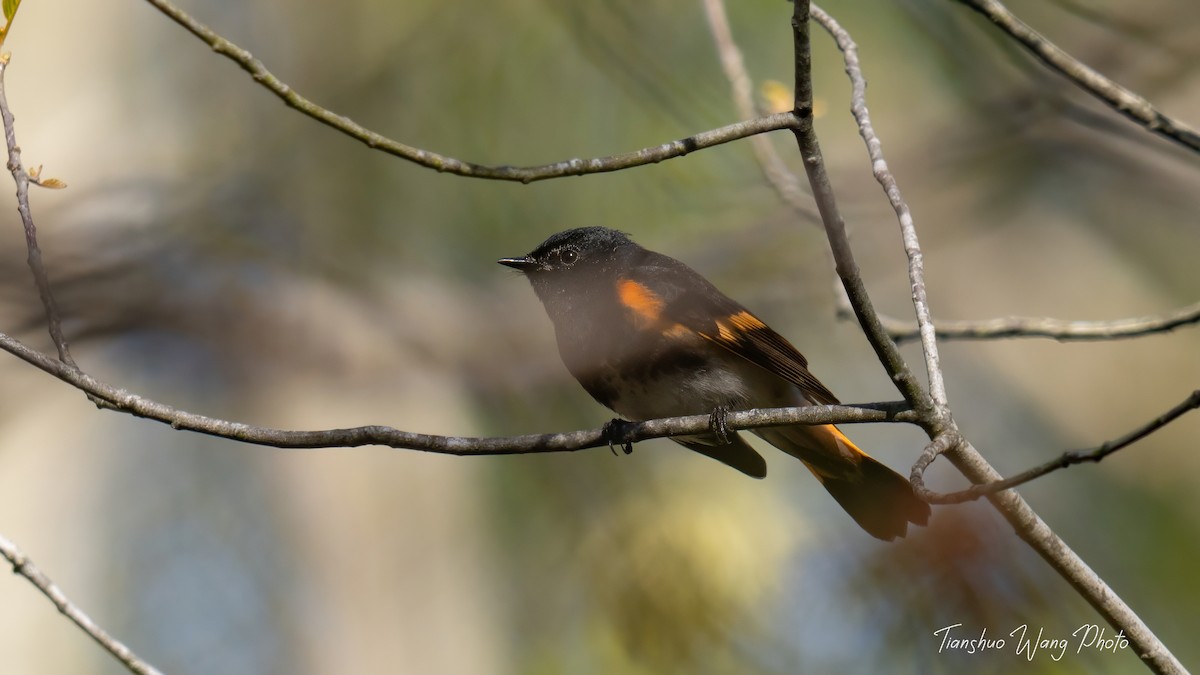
x,y
837,433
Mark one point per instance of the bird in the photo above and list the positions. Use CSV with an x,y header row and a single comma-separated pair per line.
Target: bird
x,y
649,337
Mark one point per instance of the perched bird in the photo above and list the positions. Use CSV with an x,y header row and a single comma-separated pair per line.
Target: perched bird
x,y
649,337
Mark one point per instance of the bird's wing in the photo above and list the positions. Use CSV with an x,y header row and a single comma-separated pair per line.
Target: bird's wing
x,y
688,299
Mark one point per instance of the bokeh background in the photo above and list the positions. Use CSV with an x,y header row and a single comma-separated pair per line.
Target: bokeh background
x,y
218,252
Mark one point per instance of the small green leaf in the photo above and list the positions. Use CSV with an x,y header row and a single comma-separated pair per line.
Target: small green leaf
x,y
10,9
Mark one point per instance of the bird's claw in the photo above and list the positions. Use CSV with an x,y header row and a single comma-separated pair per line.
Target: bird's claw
x,y
614,432
718,423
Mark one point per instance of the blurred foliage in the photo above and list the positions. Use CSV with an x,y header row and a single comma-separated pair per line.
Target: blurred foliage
x,y
218,252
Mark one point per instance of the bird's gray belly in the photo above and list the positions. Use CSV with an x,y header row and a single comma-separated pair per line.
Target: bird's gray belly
x,y
732,384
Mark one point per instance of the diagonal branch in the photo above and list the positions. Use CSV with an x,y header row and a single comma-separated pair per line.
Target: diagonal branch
x,y
1114,95
936,419
22,566
835,228
908,230
1063,330
1064,460
458,167
21,177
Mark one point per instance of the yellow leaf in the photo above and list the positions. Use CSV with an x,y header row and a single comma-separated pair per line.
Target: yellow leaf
x,y
51,183
10,9
777,96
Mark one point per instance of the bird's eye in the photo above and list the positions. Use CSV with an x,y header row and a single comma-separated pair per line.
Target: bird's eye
x,y
568,257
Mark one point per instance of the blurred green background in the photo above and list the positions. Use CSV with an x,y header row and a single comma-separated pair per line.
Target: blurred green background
x,y
221,253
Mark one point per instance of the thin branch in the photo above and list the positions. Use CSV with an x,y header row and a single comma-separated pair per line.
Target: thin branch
x,y
1070,458
936,419
127,402
784,182
1114,95
442,163
939,445
912,247
835,227
23,566
21,177
1063,330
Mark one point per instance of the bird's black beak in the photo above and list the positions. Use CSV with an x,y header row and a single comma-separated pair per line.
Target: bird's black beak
x,y
524,263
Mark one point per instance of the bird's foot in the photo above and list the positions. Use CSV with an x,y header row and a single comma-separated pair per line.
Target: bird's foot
x,y
615,432
719,424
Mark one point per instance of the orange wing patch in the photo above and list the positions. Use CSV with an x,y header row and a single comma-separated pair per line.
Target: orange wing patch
x,y
734,327
746,321
644,303
745,335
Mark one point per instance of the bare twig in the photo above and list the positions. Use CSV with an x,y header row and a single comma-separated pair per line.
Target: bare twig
x,y
21,177
938,446
912,248
835,227
936,419
124,401
1058,329
442,163
1114,95
23,566
784,182
1064,460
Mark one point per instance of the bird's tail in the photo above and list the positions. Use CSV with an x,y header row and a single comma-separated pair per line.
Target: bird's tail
x,y
880,500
